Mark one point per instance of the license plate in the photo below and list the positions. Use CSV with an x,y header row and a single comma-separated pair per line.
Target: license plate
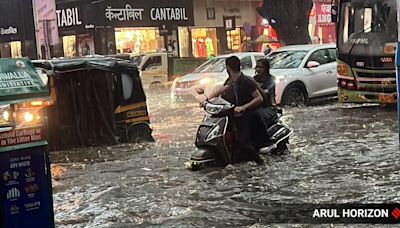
x,y
386,98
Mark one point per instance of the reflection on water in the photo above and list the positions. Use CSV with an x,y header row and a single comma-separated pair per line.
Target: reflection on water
x,y
339,153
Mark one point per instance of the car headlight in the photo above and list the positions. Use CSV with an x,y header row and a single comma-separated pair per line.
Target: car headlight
x,y
214,109
205,81
279,78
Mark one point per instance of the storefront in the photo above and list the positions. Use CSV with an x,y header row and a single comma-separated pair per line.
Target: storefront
x,y
17,33
123,26
209,36
138,40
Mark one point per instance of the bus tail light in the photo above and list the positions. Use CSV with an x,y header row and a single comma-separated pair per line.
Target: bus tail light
x,y
347,84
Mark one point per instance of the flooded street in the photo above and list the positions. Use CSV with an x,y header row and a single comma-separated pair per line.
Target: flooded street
x,y
338,154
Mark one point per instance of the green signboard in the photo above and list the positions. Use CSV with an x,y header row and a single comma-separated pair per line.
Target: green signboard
x,y
19,81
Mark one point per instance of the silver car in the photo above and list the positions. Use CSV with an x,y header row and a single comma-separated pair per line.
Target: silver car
x,y
303,73
212,73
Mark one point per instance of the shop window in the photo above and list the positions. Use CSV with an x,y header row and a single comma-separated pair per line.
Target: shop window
x,y
204,41
16,50
183,34
234,39
85,45
137,40
69,43
246,63
152,63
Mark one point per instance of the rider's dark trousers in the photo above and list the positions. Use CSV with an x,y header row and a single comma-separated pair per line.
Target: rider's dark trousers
x,y
244,140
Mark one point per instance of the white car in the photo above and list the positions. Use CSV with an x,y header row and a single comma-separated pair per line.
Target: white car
x,y
304,72
212,73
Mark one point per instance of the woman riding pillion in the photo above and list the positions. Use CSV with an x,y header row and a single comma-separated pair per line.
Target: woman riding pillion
x,y
243,92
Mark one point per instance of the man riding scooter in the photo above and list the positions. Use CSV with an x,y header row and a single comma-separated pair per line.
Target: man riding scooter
x,y
243,92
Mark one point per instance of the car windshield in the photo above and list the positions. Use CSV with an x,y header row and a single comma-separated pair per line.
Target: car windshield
x,y
212,65
286,59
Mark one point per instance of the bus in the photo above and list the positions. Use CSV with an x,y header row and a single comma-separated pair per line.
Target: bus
x,y
366,46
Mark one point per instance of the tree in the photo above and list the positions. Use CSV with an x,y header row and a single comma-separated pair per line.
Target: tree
x,y
289,18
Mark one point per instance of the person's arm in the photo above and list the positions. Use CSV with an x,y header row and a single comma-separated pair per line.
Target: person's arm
x,y
201,96
251,88
257,100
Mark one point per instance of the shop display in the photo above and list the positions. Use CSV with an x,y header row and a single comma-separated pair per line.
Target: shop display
x,y
16,50
183,42
204,42
234,39
69,43
137,40
85,45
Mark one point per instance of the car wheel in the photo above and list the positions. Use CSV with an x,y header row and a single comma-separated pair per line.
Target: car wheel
x,y
294,97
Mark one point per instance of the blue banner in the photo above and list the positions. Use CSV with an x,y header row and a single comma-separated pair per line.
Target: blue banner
x,y
26,196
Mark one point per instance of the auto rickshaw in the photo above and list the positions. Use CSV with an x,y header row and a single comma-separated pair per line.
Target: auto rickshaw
x,y
96,101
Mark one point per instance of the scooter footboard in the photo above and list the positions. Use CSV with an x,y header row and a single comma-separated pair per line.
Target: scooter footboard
x,y
203,154
278,131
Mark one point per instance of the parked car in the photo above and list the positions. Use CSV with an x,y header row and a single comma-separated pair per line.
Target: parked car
x,y
212,73
156,69
304,72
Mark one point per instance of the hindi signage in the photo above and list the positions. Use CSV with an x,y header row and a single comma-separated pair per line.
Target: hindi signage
x,y
124,14
323,13
77,16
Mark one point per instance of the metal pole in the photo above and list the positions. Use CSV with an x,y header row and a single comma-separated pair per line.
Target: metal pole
x,y
36,22
398,67
398,85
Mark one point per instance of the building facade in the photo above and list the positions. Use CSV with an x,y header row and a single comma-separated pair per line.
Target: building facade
x,y
17,32
120,26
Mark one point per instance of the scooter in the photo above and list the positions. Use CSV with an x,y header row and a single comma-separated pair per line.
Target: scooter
x,y
215,140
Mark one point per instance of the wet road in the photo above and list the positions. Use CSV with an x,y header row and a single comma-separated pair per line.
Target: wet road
x,y
339,154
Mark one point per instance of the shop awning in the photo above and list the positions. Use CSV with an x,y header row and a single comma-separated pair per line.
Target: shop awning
x,y
266,39
19,81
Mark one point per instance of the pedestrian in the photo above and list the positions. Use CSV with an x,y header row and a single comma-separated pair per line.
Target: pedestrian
x,y
267,49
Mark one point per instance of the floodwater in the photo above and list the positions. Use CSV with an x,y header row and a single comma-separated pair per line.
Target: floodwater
x,y
338,154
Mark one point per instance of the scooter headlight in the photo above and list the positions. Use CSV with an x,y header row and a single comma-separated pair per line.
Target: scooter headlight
x,y
213,133
214,109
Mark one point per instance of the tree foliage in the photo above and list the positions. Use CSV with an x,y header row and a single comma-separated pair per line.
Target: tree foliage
x,y
289,18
